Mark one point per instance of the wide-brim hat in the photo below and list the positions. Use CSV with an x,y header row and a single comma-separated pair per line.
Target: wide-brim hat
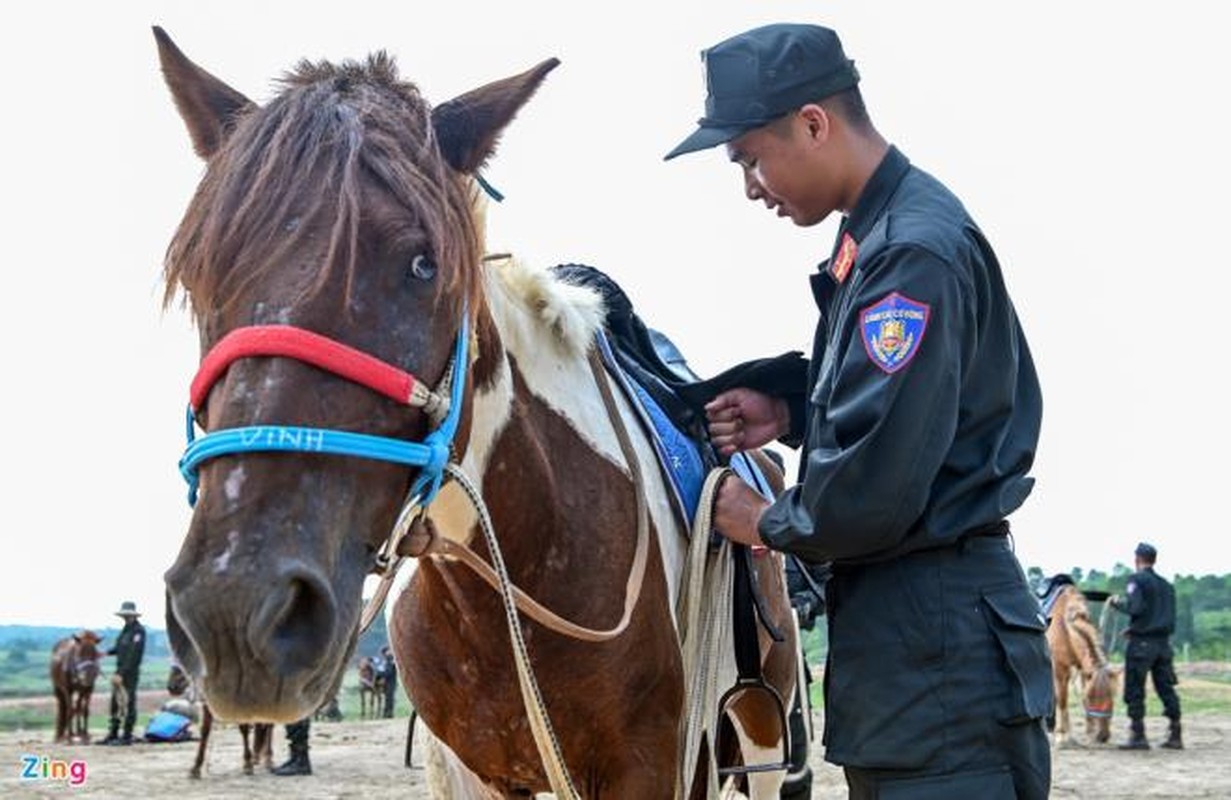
x,y
758,76
128,609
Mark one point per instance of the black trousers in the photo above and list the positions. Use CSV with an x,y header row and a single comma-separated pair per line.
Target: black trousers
x,y
938,678
1153,657
391,688
127,715
297,735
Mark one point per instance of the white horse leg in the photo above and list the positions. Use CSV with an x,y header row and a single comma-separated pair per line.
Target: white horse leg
x,y
447,777
761,785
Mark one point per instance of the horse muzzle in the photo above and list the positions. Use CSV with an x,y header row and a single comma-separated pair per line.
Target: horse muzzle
x,y
263,651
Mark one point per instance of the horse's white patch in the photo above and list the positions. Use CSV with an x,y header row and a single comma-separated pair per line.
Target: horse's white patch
x,y
452,511
233,483
223,560
548,326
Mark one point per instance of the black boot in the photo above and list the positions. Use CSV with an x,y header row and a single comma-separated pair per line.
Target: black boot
x,y
1136,737
297,764
1174,742
111,738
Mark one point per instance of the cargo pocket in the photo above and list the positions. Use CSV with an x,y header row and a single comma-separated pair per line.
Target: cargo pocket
x,y
1019,628
986,785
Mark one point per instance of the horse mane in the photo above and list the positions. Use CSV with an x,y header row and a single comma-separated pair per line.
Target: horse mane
x,y
297,167
1077,621
571,314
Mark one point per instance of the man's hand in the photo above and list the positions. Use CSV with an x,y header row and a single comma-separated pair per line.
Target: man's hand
x,y
743,419
737,509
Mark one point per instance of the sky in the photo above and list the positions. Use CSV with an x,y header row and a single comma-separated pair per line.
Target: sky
x,y
1088,140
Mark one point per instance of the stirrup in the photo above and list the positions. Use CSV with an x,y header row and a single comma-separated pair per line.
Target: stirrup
x,y
733,694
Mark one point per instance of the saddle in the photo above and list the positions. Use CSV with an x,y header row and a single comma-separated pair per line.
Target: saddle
x,y
1050,591
669,397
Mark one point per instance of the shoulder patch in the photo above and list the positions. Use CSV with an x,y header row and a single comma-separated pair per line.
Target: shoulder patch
x,y
1132,587
892,329
845,259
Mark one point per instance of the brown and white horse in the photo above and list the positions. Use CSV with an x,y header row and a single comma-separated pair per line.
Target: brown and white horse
x,y
347,207
74,669
1077,650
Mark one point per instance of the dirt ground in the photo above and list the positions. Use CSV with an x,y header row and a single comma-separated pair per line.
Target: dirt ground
x,y
365,760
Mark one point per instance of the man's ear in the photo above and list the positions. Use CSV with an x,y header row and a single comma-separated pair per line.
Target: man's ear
x,y
816,122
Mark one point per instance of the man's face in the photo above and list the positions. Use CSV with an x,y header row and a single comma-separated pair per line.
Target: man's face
x,y
783,167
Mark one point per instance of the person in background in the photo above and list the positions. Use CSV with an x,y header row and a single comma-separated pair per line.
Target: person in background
x,y
1149,601
919,417
391,680
128,650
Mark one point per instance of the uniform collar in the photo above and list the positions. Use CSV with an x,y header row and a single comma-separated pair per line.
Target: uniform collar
x,y
875,195
868,208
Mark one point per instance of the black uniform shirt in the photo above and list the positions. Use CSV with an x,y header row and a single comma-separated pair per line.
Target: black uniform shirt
x,y
923,406
129,648
1150,604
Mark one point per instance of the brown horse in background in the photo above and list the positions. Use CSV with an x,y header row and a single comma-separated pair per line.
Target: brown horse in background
x,y
261,751
1077,649
347,208
187,703
75,664
371,689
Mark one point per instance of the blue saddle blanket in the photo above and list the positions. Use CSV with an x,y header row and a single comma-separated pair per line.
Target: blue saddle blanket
x,y
679,456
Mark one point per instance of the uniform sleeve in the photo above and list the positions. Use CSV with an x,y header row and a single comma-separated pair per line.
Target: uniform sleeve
x,y
885,423
1136,602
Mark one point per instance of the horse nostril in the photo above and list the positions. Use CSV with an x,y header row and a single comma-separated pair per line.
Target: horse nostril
x,y
294,624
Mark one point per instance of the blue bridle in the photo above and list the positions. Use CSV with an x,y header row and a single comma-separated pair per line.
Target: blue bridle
x,y
430,456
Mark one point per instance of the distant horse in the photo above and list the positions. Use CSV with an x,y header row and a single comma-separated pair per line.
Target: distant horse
x,y
74,669
1077,649
186,702
332,252
371,689
261,751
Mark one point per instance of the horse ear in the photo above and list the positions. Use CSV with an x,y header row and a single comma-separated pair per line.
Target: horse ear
x,y
209,107
468,126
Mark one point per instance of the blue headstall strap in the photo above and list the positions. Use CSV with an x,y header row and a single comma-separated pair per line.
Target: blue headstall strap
x,y
430,456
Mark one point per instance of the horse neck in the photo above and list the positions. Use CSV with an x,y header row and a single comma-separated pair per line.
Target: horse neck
x,y
1084,642
536,387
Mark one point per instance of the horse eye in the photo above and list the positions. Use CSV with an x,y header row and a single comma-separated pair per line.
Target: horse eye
x,y
423,267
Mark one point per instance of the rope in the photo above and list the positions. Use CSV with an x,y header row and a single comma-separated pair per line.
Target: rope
x,y
703,617
545,738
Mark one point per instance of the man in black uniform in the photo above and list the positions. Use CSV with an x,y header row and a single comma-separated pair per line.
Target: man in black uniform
x,y
1149,600
297,734
128,651
919,424
390,672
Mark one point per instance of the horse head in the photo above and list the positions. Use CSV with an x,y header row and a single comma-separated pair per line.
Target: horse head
x,y
1099,700
339,218
86,659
